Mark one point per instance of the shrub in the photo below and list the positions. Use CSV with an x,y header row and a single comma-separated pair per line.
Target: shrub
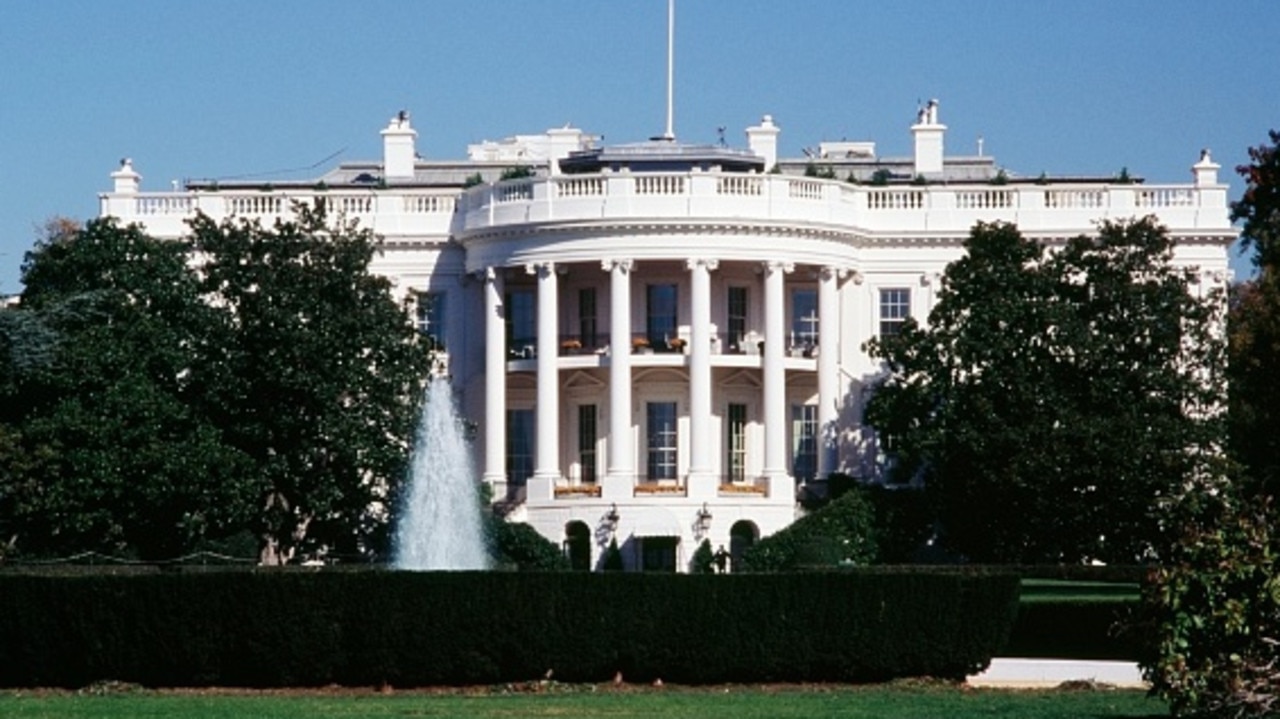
x,y
362,628
840,532
517,545
612,557
1074,629
1214,609
704,559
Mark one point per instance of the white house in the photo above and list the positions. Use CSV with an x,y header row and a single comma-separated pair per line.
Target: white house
x,y
660,342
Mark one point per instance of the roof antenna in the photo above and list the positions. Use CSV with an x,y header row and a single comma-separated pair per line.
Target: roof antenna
x,y
670,134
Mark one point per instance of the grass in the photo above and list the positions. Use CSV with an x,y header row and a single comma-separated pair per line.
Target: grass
x,y
736,702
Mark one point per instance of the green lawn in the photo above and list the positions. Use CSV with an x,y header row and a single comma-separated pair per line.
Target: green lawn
x,y
874,702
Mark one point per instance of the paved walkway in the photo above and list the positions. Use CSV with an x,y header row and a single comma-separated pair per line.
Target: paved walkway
x,y
1015,672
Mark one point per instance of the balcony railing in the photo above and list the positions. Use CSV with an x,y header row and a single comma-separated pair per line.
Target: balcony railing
x,y
952,209
709,196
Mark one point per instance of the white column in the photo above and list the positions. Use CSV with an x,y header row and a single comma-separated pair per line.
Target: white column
x,y
495,385
775,376
546,461
701,481
621,454
829,400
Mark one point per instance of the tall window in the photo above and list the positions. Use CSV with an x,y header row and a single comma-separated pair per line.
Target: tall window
x,y
587,317
895,308
430,318
587,441
660,324
519,446
804,439
737,318
662,440
522,325
804,319
737,442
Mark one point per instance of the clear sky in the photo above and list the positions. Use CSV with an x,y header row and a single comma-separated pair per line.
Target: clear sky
x,y
234,87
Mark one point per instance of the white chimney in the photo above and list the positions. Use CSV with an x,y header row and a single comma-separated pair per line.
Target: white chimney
x,y
398,151
928,134
561,142
126,180
1206,170
763,140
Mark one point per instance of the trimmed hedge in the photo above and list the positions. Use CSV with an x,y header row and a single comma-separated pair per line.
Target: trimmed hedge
x,y
1075,629
266,629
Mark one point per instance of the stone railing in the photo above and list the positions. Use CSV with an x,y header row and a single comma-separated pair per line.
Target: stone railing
x,y
389,212
947,210
943,210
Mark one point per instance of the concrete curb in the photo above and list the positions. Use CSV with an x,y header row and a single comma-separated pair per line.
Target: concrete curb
x,y
1014,672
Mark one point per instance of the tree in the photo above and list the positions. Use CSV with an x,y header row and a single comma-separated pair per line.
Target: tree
x,y
1254,325
103,449
313,372
1053,397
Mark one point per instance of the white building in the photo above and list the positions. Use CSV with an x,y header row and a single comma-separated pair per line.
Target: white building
x,y
662,342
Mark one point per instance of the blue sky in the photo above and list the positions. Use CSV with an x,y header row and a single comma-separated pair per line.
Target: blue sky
x,y
219,89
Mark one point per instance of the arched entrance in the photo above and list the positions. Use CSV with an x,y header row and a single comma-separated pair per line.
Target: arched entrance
x,y
742,536
577,545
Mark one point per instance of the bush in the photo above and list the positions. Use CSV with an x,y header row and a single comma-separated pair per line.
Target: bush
x,y
1214,609
840,532
612,557
704,559
362,628
1074,629
517,545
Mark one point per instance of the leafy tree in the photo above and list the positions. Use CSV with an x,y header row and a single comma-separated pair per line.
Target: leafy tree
x,y
842,531
102,449
1053,397
313,372
1254,324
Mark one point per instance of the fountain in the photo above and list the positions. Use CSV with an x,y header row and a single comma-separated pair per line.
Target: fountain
x,y
440,525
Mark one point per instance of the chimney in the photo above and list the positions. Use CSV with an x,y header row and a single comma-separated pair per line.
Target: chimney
x,y
126,180
928,134
763,140
561,142
1206,170
398,152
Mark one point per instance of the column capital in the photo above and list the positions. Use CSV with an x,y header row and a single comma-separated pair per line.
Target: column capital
x,y
695,262
610,265
857,276
485,274
541,269
929,279
774,266
831,272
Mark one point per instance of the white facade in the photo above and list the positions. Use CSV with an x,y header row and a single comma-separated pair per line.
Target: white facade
x,y
662,343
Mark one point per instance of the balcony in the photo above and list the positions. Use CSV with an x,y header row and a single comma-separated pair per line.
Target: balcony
x,y
391,213
1072,208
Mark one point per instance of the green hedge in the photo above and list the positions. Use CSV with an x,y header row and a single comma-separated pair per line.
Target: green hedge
x,y
265,629
1075,629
